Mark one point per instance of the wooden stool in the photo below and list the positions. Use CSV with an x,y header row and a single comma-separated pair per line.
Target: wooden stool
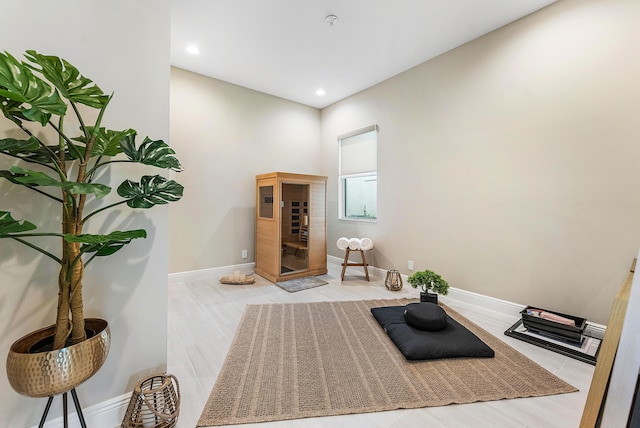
x,y
347,263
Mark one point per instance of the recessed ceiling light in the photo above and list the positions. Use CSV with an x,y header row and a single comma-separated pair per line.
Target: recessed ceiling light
x,y
320,92
193,49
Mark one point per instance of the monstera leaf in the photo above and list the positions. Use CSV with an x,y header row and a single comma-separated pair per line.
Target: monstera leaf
x,y
11,108
30,150
71,84
152,190
18,83
10,176
15,147
156,153
35,178
8,225
107,142
105,245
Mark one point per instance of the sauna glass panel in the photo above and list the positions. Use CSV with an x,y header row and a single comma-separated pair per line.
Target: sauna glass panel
x,y
266,201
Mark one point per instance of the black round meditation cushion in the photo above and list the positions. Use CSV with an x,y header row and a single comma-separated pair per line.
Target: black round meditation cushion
x,y
425,316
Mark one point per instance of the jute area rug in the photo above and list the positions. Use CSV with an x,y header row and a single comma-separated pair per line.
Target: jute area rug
x,y
298,360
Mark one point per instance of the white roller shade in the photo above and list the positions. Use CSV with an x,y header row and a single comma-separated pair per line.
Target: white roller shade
x,y
358,153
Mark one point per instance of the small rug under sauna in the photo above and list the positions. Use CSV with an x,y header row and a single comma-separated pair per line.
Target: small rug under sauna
x,y
298,360
300,284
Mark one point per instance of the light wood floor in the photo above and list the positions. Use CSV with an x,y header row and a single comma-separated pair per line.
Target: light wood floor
x,y
203,316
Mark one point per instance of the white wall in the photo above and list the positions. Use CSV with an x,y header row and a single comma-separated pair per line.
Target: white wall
x,y
226,135
510,165
124,46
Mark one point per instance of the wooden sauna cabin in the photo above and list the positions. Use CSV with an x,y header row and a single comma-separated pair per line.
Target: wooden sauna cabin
x,y
291,225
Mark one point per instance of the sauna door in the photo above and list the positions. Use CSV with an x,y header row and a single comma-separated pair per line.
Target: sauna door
x,y
294,228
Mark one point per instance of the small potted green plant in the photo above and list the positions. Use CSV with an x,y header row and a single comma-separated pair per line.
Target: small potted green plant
x,y
429,281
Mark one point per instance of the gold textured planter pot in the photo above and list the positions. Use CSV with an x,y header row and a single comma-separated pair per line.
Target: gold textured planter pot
x,y
45,374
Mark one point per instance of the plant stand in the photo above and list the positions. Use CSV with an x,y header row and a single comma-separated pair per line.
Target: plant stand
x,y
56,372
347,263
65,415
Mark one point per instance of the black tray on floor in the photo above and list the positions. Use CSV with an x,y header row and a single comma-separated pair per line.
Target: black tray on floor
x,y
586,351
554,329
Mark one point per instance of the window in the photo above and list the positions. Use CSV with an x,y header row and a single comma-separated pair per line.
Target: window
x,y
358,165
266,201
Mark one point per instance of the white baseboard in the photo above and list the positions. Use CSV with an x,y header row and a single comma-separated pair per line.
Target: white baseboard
x,y
490,303
373,271
468,297
210,273
107,414
487,302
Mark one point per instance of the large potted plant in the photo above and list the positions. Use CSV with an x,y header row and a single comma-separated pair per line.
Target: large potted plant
x,y
44,97
429,281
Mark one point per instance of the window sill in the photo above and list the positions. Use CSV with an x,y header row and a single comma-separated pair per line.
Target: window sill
x,y
359,220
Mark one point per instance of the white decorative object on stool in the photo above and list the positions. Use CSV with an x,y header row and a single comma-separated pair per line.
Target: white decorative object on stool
x,y
354,244
366,244
343,243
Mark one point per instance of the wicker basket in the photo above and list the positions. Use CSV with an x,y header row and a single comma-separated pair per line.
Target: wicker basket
x,y
155,402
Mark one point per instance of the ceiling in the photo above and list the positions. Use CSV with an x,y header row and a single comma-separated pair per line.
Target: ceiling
x,y
286,48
